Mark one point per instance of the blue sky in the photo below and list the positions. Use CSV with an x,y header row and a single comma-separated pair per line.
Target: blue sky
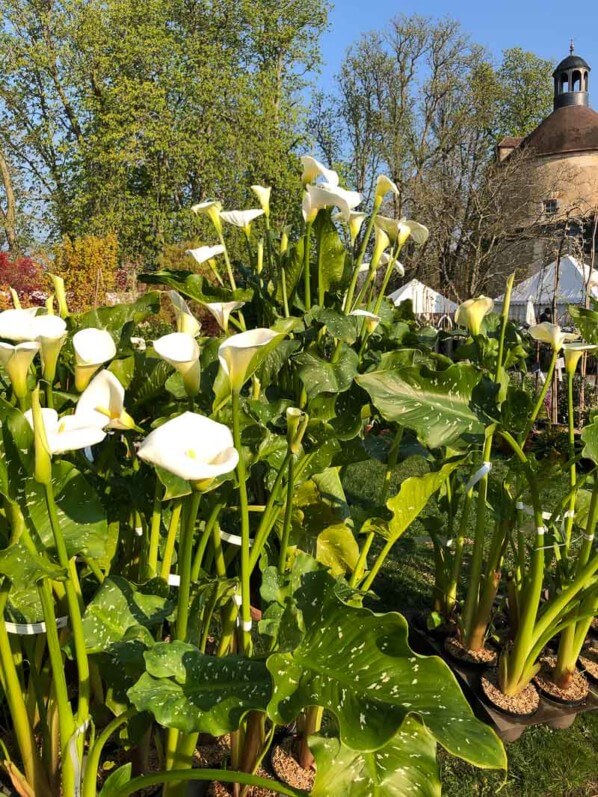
x,y
543,27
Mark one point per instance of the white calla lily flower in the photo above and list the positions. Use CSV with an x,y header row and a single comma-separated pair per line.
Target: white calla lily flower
x,y
68,433
204,253
312,169
400,230
93,347
192,447
383,261
181,350
573,353
263,197
15,325
308,210
222,310
371,320
383,186
381,243
17,360
471,313
236,353
185,320
50,331
354,222
326,196
212,209
241,218
552,335
102,403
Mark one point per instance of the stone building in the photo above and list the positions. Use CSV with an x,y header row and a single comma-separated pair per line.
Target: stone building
x,y
560,163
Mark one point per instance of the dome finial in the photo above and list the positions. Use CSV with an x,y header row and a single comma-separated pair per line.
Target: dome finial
x,y
571,47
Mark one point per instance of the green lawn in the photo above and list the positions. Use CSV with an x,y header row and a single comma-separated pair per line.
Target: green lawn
x,y
544,762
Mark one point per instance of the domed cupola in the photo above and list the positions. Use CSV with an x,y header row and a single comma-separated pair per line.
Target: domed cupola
x,y
571,81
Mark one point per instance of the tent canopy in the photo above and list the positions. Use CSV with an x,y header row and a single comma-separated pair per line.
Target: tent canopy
x,y
425,301
573,277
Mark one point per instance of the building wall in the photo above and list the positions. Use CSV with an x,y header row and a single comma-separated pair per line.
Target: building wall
x,y
570,178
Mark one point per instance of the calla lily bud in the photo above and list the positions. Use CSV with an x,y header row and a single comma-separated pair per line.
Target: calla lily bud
x,y
50,331
471,313
185,321
93,347
308,210
60,293
284,239
181,350
43,458
193,447
371,320
241,218
222,310
551,334
237,352
383,186
263,197
212,210
381,242
17,361
15,299
573,353
260,256
297,421
50,304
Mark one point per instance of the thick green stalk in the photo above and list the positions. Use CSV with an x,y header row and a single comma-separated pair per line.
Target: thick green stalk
x,y
288,513
389,269
205,538
222,775
171,535
541,397
184,565
245,566
451,591
154,541
347,305
95,753
503,327
229,268
306,267
270,514
321,293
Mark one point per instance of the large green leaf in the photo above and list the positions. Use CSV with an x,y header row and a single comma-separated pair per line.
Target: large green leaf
x,y
114,318
331,251
321,376
337,549
358,665
340,326
185,689
589,437
406,765
436,404
195,286
586,320
119,605
24,567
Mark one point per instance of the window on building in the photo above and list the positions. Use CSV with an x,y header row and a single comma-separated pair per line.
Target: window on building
x,y
550,206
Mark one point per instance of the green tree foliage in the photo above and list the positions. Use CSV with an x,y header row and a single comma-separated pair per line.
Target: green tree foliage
x,y
526,92
122,114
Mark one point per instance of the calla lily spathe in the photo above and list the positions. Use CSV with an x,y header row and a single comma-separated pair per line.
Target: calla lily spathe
x,y
325,196
93,347
263,197
102,403
312,169
371,320
222,310
15,325
181,350
552,335
17,360
185,320
50,331
212,209
573,353
192,447
381,243
354,222
471,313
205,253
237,352
400,230
69,433
241,218
383,186
60,292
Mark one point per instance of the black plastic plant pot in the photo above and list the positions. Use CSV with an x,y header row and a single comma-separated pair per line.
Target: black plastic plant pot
x,y
492,673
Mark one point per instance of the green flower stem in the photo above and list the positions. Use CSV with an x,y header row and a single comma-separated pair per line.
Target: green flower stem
x,y
249,252
503,327
205,538
95,753
23,730
347,305
222,775
245,568
229,268
270,514
75,606
49,395
306,267
184,564
475,573
572,466
156,522
377,565
541,397
450,597
389,268
171,535
321,265
288,514
283,285
357,573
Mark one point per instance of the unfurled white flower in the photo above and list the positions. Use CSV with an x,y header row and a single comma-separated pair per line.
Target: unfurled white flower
x,y
354,222
573,353
192,447
93,347
16,324
222,310
185,320
237,352
312,169
383,186
50,331
17,360
204,253
551,334
241,218
326,196
68,433
383,261
102,403
400,230
471,313
263,197
211,209
181,350
371,320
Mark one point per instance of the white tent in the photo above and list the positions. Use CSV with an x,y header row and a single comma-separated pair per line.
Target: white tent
x,y
540,289
426,301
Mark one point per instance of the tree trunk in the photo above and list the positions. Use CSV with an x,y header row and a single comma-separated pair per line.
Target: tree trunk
x,y
9,216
